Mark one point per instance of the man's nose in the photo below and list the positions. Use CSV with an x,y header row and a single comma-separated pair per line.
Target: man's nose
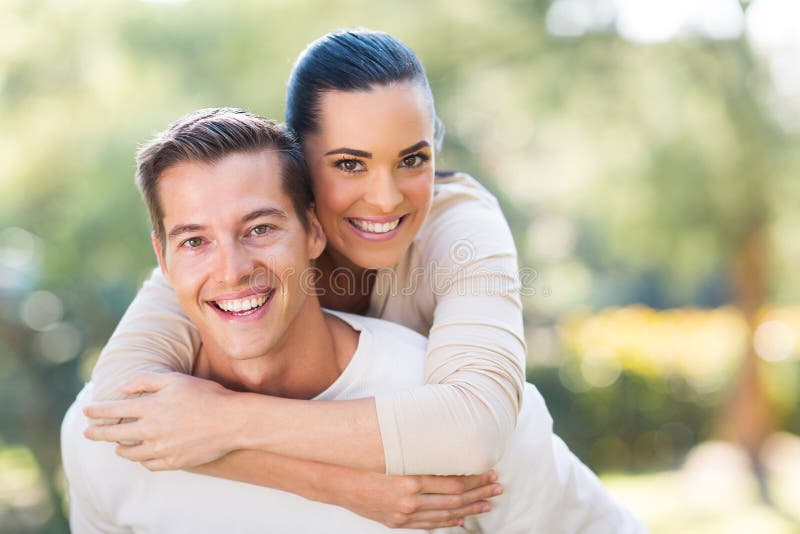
x,y
383,192
233,264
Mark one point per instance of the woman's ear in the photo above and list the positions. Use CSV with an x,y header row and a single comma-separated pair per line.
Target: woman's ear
x,y
316,237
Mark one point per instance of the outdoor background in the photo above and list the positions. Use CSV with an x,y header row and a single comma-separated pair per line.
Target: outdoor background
x,y
645,153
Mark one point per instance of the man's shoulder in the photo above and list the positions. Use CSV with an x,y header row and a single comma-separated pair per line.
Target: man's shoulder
x,y
389,358
96,475
87,459
74,421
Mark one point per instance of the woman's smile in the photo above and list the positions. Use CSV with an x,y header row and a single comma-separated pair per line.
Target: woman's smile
x,y
376,228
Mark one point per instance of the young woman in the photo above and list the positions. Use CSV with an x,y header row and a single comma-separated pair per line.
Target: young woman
x,y
433,254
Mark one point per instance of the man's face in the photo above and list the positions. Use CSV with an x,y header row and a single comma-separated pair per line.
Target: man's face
x,y
235,250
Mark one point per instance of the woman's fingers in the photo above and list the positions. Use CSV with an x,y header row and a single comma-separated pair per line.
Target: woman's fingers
x,y
136,453
455,485
127,432
146,383
429,519
476,481
460,501
115,409
430,525
448,515
156,465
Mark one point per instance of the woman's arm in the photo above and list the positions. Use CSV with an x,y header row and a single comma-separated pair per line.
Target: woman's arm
x,y
182,421
423,502
475,363
396,501
154,335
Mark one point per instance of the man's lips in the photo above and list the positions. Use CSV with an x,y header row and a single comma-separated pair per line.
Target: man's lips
x,y
236,295
242,305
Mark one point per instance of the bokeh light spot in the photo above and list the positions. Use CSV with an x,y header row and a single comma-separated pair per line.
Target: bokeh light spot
x,y
60,343
41,310
774,341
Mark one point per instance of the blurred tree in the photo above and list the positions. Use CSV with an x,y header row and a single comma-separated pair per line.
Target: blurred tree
x,y
666,157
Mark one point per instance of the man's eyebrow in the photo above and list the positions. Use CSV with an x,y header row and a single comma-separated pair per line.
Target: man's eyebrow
x,y
349,152
255,214
185,229
265,212
413,148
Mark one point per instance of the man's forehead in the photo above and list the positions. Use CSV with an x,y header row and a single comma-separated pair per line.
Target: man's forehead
x,y
264,165
231,189
256,176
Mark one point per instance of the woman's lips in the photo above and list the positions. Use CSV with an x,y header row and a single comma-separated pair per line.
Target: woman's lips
x,y
376,228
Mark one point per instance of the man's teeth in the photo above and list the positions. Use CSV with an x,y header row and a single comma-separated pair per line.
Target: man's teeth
x,y
239,305
375,228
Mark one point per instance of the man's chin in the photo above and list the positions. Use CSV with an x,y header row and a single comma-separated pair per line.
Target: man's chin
x,y
240,349
239,343
243,355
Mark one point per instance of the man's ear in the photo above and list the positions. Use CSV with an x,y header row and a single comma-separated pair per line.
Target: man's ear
x,y
316,237
159,250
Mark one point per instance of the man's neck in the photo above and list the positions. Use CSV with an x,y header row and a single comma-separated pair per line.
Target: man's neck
x,y
313,353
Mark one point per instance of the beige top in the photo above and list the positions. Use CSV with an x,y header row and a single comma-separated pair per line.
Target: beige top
x,y
458,284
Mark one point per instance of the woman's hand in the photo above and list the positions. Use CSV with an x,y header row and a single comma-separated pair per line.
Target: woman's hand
x,y
420,501
179,422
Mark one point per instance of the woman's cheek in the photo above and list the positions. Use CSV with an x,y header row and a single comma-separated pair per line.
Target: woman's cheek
x,y
420,190
335,199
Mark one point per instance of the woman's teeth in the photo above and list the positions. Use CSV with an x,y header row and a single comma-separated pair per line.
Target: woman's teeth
x,y
375,228
240,305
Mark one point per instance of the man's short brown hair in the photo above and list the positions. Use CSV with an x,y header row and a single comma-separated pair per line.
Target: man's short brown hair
x,y
208,135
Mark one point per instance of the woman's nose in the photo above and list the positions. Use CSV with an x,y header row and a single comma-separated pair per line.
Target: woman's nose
x,y
383,192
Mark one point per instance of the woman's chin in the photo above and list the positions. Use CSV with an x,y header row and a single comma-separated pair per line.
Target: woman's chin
x,y
377,260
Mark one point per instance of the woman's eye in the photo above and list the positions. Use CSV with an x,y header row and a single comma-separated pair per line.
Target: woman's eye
x,y
414,161
192,242
261,229
350,165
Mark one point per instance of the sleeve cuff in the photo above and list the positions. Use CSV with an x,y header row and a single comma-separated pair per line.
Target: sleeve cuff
x,y
390,435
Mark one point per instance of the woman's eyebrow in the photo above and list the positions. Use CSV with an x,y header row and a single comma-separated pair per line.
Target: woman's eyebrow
x,y
349,152
413,148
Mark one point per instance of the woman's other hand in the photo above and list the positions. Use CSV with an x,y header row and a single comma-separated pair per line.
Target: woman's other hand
x,y
177,421
420,501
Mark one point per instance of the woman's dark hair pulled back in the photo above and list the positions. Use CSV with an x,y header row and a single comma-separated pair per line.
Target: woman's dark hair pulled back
x,y
347,60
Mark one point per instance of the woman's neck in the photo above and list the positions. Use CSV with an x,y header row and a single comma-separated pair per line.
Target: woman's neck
x,y
344,286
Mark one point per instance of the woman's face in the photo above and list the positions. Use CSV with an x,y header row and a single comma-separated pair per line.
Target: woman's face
x,y
372,164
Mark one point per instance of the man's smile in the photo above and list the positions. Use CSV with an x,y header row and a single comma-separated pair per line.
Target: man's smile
x,y
250,306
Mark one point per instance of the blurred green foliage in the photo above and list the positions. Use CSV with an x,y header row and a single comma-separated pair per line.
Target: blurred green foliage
x,y
629,173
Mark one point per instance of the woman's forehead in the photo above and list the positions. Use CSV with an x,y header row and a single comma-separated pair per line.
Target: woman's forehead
x,y
397,114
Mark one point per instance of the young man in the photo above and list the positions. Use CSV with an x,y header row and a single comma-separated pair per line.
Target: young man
x,y
234,235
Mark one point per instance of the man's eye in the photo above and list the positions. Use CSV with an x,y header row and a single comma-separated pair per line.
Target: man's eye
x,y
192,242
350,165
261,229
